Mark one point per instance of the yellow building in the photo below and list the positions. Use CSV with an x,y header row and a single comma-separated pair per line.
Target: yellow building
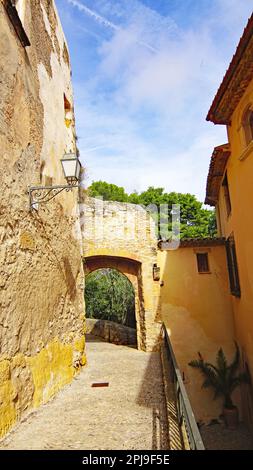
x,y
196,309
229,189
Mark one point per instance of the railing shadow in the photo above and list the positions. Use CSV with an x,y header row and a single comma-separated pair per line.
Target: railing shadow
x,y
189,428
151,395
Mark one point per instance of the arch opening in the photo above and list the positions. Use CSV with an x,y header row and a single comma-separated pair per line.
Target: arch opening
x,y
132,270
110,295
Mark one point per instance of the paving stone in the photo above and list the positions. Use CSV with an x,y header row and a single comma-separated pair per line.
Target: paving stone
x,y
129,414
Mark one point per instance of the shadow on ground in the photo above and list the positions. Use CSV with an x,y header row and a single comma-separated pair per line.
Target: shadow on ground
x,y
218,437
151,395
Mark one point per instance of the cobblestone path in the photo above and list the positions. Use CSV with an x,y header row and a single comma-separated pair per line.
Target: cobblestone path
x,y
129,414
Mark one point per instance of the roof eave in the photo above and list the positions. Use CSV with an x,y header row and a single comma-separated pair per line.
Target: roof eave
x,y
210,202
243,44
221,151
212,118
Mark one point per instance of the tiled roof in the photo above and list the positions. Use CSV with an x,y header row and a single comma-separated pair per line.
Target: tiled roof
x,y
198,242
216,170
194,242
236,79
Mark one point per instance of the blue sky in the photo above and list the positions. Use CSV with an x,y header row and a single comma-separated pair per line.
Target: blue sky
x,y
144,75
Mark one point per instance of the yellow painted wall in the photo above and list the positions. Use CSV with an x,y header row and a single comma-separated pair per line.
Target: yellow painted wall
x,y
196,308
240,222
37,377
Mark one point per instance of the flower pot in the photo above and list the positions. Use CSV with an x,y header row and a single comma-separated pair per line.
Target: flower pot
x,y
231,417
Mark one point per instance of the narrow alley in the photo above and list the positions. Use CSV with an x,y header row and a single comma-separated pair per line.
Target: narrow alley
x,y
128,414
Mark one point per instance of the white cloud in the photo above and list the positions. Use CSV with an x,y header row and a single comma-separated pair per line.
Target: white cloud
x,y
141,118
123,156
104,21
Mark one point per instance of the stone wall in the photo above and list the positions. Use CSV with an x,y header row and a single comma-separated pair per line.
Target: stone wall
x,y
41,274
122,236
111,331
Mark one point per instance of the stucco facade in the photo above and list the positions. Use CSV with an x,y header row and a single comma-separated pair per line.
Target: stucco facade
x,y
232,107
197,311
41,273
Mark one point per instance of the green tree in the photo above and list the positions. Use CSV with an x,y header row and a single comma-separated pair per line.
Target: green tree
x,y
109,192
109,295
212,225
133,198
152,196
195,221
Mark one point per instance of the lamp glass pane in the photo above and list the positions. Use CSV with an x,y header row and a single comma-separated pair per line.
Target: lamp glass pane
x,y
78,169
69,168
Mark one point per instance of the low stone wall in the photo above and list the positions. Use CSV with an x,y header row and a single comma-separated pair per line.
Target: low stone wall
x,y
111,331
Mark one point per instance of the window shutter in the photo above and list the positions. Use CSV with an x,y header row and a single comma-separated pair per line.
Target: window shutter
x,y
202,261
233,267
227,194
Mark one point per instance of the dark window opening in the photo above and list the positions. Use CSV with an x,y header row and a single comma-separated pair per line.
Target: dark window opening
x,y
233,267
251,125
247,370
227,194
68,111
203,263
10,7
67,105
247,123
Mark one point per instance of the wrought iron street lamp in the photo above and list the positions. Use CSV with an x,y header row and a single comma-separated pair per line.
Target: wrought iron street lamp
x,y
42,194
71,167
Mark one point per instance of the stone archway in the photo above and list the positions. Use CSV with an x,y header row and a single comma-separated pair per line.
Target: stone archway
x,y
132,270
122,236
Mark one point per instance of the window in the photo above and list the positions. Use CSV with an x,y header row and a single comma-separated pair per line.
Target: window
x,y
19,7
232,267
67,111
202,262
247,123
15,10
226,194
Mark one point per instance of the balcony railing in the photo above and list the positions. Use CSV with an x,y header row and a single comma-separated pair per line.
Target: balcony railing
x,y
187,422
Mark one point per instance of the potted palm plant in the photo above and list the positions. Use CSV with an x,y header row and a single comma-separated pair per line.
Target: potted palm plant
x,y
224,379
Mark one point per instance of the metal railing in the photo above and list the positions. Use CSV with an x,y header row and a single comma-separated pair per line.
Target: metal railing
x,y
186,416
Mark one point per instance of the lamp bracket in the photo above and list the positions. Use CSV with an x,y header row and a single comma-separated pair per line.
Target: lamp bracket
x,y
43,194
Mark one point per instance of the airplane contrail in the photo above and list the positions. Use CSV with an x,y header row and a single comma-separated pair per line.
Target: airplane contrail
x,y
102,20
98,147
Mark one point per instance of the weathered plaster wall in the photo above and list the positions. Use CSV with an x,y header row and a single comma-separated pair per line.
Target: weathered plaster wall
x,y
41,274
196,308
123,236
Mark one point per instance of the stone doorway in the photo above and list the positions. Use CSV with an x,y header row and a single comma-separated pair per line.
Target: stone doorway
x,y
131,269
109,295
